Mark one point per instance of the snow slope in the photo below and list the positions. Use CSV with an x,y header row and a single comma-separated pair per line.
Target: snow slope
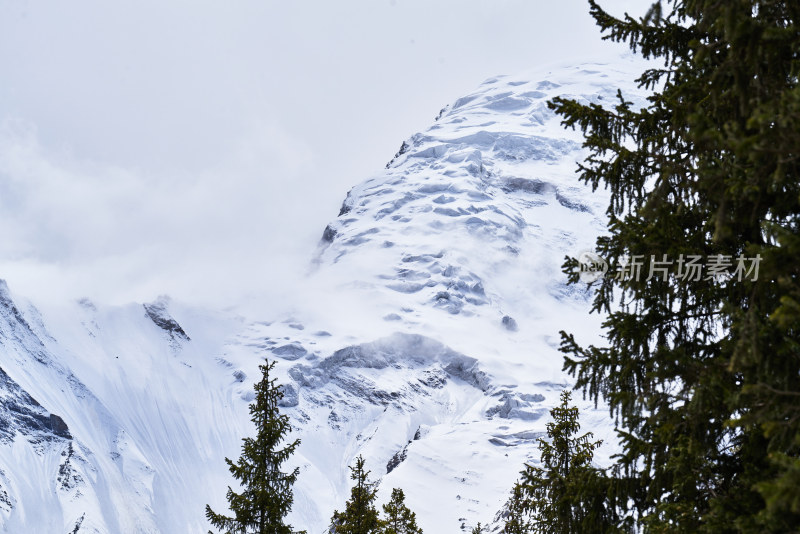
x,y
424,337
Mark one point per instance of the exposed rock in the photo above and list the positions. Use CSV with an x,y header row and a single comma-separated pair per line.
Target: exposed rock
x,y
239,375
78,524
526,185
19,412
68,477
157,312
572,204
291,397
329,234
58,426
396,459
516,406
291,351
510,323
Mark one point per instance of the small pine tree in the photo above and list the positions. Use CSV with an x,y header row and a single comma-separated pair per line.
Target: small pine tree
x,y
336,520
360,515
399,519
516,521
478,529
267,491
555,494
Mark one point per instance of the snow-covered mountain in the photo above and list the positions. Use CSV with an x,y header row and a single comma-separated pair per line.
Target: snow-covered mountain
x,y
424,337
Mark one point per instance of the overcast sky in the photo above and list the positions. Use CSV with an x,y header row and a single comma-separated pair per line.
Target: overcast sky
x,y
198,148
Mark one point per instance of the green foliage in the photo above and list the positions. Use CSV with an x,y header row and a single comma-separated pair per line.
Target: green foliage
x,y
478,529
702,375
517,521
360,515
266,496
398,519
561,495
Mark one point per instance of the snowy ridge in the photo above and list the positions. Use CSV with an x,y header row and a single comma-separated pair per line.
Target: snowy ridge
x,y
425,339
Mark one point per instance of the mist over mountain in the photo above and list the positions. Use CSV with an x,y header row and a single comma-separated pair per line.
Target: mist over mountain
x,y
423,335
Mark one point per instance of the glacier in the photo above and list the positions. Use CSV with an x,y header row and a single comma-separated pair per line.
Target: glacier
x,y
424,337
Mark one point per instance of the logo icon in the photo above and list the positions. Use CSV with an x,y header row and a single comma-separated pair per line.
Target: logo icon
x,y
592,266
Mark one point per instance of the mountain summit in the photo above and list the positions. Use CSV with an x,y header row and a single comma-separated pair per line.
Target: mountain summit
x,y
425,339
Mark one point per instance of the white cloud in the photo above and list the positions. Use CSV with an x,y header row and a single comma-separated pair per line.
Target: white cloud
x,y
119,233
199,148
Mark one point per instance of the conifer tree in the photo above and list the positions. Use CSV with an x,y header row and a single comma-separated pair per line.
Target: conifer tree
x,y
336,520
555,494
702,373
517,521
360,515
266,496
478,529
398,519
